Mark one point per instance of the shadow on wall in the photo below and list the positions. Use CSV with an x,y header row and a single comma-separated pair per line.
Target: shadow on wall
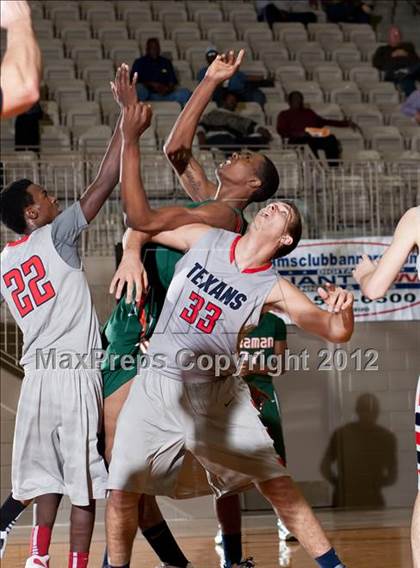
x,y
361,458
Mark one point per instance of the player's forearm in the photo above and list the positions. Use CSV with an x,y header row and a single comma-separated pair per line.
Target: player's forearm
x,y
133,241
106,179
340,326
20,70
182,134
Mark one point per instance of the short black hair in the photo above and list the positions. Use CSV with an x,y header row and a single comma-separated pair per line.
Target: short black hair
x,y
294,229
268,175
13,200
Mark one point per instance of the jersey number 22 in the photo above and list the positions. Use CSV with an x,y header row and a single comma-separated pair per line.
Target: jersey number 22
x,y
37,294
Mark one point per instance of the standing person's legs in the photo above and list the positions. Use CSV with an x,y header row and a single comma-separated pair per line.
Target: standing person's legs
x,y
231,442
82,520
121,526
331,147
415,532
46,513
228,511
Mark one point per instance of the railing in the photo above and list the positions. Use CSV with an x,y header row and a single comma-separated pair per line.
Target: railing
x,y
353,198
350,199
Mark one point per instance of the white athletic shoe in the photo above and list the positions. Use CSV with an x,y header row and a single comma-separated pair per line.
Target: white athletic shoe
x,y
284,534
248,563
218,538
37,561
3,542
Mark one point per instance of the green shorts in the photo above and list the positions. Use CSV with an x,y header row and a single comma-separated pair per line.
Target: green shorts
x,y
265,400
121,336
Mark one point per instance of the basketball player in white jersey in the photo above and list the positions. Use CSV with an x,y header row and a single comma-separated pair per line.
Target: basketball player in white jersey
x,y
60,407
221,286
374,280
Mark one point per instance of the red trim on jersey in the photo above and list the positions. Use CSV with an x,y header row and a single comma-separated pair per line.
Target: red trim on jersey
x,y
246,270
18,242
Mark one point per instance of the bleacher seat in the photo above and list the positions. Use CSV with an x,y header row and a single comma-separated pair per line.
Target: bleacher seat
x,y
363,73
384,139
346,52
98,74
380,92
67,93
218,34
157,175
90,49
292,31
327,110
351,141
133,11
52,49
182,70
115,31
342,92
272,110
60,70
50,109
82,116
244,13
95,139
254,69
43,29
206,16
54,139
75,32
289,71
327,71
253,111
124,53
364,114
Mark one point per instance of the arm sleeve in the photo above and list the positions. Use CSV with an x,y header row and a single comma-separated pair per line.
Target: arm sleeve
x,y
411,104
65,232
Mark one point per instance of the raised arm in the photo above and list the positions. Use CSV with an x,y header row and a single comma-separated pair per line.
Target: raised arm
x,y
375,279
139,215
109,170
335,325
21,65
179,143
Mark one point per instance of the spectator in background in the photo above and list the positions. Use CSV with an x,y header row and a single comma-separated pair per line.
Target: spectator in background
x,y
239,84
21,65
411,106
399,61
157,80
223,126
349,11
292,124
268,12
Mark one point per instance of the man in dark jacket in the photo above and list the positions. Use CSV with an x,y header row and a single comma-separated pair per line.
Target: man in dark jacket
x,y
157,80
292,124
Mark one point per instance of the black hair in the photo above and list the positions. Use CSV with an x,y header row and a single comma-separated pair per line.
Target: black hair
x,y
268,175
293,94
13,200
294,229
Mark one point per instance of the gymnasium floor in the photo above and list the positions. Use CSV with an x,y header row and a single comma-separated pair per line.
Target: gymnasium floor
x,y
364,539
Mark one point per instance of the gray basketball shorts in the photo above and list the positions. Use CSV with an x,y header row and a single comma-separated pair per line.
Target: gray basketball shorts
x,y
56,436
216,422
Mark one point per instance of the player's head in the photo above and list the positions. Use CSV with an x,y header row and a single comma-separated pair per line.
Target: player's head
x,y
279,222
26,206
253,173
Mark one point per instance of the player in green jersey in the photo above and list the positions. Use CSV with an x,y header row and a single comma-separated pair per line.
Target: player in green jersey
x,y
243,179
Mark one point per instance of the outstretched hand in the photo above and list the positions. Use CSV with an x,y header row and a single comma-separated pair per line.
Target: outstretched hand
x,y
225,66
122,88
337,299
136,120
